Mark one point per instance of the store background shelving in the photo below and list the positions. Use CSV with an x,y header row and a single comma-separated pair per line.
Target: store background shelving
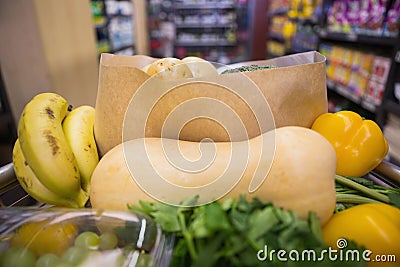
x,y
114,24
226,31
360,71
291,27
378,49
208,29
221,31
161,29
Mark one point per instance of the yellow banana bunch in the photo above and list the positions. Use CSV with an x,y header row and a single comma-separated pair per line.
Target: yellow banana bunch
x,y
55,153
78,130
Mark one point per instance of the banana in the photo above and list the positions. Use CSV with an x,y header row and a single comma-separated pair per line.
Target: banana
x,y
45,147
78,130
31,184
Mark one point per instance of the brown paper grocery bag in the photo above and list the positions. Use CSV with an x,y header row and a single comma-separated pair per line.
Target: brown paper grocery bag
x,y
295,92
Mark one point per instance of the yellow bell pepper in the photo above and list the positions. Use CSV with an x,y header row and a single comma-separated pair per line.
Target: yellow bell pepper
x,y
376,226
359,144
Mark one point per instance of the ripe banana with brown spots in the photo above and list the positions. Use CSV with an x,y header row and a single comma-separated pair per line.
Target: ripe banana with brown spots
x,y
78,130
31,184
46,149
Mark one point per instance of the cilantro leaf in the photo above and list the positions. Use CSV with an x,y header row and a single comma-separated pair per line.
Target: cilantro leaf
x,y
233,232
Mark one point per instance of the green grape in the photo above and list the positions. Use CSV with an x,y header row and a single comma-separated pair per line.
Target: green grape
x,y
48,260
75,255
18,257
108,240
87,240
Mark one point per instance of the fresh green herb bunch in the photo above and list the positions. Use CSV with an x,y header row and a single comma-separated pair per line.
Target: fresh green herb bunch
x,y
233,233
249,68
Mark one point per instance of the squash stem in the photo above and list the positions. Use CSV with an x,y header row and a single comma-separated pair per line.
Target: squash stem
x,y
365,190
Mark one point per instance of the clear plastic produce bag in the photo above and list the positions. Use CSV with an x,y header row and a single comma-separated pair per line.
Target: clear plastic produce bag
x,y
80,237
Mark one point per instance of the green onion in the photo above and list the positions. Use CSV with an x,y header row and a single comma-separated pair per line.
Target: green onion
x,y
371,193
354,199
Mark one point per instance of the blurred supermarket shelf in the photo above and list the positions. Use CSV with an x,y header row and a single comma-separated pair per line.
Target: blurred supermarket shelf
x,y
357,38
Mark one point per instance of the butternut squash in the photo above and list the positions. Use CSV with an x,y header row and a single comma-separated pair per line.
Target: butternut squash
x,y
292,167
